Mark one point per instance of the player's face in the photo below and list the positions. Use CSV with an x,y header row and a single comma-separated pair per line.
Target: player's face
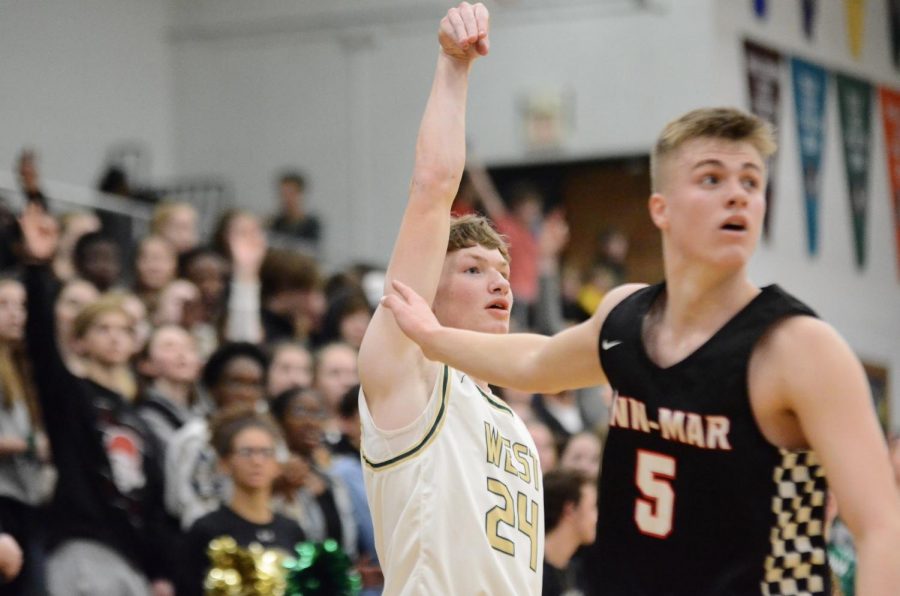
x,y
474,291
712,200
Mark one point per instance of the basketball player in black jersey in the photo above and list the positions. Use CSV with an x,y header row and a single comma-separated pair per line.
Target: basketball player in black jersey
x,y
731,400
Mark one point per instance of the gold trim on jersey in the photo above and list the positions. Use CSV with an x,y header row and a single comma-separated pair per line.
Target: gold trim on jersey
x,y
490,400
433,430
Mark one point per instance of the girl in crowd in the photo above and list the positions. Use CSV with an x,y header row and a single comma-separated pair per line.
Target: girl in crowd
x,y
156,263
291,365
74,296
319,502
177,223
107,508
171,364
23,447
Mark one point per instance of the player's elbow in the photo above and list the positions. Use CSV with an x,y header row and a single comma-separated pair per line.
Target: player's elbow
x,y
435,178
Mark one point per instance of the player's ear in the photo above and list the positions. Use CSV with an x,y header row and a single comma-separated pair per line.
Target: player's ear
x,y
659,210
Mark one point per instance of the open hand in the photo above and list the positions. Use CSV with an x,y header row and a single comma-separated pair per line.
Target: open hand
x,y
463,33
412,313
247,244
40,233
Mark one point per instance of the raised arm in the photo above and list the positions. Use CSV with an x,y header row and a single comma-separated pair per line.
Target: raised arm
x,y
394,375
486,189
821,381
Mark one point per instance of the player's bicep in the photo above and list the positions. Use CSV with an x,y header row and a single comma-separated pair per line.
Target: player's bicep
x,y
825,387
386,354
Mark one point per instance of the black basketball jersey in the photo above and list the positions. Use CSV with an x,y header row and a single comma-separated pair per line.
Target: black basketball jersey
x,y
693,499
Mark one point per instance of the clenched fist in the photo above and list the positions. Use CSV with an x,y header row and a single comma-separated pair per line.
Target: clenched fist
x,y
463,33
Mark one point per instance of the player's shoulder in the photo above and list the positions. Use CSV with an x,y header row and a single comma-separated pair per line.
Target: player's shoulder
x,y
800,343
801,330
615,297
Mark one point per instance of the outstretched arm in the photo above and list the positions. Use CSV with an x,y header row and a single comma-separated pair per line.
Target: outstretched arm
x,y
526,361
394,375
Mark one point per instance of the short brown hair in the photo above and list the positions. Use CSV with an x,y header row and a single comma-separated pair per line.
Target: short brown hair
x,y
715,123
561,486
284,270
227,424
471,230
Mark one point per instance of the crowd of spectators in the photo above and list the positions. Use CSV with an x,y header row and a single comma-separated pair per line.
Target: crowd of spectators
x,y
159,393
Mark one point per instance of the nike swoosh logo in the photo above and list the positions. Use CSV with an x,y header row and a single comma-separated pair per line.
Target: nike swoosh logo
x,y
606,344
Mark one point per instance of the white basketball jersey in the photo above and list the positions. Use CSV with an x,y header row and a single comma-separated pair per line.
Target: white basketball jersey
x,y
456,496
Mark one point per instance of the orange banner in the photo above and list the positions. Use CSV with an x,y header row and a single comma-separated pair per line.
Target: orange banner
x,y
890,111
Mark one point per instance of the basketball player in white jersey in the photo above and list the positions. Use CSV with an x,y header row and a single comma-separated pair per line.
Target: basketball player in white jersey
x,y
452,475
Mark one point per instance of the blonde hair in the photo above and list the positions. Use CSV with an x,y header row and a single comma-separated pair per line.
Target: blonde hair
x,y
88,315
164,212
471,230
713,123
123,380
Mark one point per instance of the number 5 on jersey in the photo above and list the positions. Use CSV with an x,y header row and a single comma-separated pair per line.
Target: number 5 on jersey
x,y
654,511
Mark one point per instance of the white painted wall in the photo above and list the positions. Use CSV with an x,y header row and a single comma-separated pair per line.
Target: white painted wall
x,y
77,76
341,96
863,305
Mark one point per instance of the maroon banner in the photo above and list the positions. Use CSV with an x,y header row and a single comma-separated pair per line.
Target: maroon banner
x,y
890,112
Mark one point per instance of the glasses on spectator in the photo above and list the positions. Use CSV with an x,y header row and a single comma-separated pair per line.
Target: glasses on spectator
x,y
249,452
317,414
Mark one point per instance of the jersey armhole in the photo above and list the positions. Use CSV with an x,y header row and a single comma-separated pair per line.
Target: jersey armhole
x,y
382,449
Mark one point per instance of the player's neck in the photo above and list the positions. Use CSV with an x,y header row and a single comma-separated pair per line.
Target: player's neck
x,y
697,297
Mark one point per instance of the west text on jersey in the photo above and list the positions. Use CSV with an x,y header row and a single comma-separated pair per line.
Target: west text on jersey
x,y
511,457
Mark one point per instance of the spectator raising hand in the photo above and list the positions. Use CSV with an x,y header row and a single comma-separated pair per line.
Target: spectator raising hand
x,y
40,233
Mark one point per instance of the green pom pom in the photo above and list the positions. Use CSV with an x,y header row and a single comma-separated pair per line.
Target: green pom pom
x,y
322,569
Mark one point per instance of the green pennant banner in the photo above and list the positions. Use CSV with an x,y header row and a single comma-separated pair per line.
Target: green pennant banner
x,y
855,106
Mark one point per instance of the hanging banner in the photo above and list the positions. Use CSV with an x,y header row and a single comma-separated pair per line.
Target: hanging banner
x,y
809,16
855,10
760,7
810,85
855,107
894,8
763,82
890,112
